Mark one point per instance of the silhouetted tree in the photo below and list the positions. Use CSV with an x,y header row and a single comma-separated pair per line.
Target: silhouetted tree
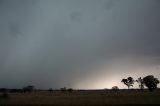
x,y
70,90
29,88
151,82
125,81
50,90
128,82
3,90
63,89
106,89
141,83
115,88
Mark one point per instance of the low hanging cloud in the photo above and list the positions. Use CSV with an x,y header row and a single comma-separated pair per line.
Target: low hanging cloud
x,y
77,43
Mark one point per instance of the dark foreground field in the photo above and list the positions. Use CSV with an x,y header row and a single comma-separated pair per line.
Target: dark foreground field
x,y
83,98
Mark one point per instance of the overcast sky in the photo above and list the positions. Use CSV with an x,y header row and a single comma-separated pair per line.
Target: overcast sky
x,y
83,44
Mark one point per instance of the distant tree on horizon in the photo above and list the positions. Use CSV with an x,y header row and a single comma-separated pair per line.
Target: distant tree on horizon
x,y
28,88
151,82
128,82
63,89
50,90
115,88
70,90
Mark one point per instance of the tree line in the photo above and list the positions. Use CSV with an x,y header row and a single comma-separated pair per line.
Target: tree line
x,y
149,81
28,88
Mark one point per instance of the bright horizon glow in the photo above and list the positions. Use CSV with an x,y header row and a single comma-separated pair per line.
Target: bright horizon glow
x,y
100,81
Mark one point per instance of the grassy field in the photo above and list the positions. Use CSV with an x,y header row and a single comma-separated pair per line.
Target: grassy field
x,y
82,97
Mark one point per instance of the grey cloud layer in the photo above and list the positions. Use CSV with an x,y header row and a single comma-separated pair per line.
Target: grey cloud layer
x,y
60,43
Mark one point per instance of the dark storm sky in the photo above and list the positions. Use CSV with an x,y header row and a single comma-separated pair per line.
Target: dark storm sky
x,y
78,43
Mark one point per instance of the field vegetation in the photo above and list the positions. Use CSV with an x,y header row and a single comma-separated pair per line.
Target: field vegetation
x,y
82,97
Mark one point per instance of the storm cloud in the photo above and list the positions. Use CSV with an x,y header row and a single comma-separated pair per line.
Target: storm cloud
x,y
78,43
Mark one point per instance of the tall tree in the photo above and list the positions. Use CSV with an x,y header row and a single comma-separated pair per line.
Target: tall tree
x,y
151,82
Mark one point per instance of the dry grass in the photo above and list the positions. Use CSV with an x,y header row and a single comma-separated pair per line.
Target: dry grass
x,y
82,98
